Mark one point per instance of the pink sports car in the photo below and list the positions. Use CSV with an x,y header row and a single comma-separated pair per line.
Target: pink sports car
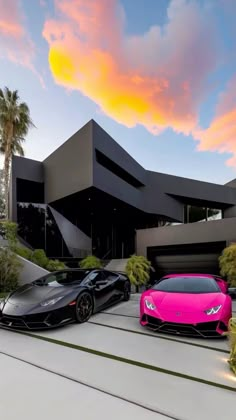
x,y
187,304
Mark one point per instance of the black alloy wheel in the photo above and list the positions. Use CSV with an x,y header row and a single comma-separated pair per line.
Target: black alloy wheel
x,y
84,307
126,291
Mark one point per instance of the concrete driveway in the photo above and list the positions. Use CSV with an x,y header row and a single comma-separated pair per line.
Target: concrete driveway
x,y
111,368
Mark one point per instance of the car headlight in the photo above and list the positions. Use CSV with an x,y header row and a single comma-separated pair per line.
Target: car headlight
x,y
213,311
150,305
51,301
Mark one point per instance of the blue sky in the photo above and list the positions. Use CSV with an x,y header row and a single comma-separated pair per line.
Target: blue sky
x,y
58,111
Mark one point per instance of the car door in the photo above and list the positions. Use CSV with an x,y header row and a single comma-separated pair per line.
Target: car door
x,y
113,291
98,282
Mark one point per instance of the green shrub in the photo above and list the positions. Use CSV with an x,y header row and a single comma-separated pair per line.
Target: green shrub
x,y
227,262
24,252
39,257
9,270
138,270
232,337
90,262
55,265
9,231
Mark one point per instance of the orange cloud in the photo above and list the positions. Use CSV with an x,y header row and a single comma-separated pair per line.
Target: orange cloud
x,y
153,80
158,79
221,134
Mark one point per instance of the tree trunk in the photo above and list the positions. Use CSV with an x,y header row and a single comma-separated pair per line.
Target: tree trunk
x,y
6,184
7,161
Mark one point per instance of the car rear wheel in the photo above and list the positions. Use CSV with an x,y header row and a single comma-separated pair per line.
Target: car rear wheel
x,y
84,307
126,291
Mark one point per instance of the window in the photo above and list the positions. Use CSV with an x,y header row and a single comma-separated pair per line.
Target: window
x,y
117,170
29,191
62,278
187,285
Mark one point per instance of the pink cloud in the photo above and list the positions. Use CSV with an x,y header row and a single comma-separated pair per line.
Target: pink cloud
x,y
15,42
221,134
158,79
154,79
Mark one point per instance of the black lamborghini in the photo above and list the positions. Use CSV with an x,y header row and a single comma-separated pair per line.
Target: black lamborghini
x,y
63,297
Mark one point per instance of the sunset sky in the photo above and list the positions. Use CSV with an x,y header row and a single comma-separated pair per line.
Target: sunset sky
x,y
159,76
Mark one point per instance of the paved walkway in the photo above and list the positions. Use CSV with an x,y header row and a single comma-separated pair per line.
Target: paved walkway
x,y
111,368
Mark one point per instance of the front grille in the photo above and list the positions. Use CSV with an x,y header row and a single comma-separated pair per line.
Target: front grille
x,y
206,329
37,321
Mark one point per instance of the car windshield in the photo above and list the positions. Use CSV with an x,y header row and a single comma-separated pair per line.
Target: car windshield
x,y
187,285
62,278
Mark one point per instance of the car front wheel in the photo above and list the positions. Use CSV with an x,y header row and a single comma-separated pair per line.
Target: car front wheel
x,y
84,307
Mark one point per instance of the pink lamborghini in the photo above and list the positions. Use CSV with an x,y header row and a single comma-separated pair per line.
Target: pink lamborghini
x,y
187,304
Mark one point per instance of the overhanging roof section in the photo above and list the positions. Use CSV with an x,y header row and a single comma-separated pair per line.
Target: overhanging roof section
x,y
69,169
189,190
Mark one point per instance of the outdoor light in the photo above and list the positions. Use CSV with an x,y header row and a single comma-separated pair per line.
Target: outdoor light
x,y
51,301
213,311
150,305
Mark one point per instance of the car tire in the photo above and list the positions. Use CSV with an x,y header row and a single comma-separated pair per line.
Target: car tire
x,y
84,307
126,291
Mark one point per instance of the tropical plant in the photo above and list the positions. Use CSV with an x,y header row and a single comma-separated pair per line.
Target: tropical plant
x,y
232,338
90,262
15,122
227,262
9,270
138,270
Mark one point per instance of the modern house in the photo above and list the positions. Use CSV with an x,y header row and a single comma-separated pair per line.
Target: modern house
x,y
91,196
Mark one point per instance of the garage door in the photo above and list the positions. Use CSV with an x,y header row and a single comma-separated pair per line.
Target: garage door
x,y
189,258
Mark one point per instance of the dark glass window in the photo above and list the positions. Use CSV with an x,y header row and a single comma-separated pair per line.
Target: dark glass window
x,y
117,170
187,285
194,214
29,191
37,226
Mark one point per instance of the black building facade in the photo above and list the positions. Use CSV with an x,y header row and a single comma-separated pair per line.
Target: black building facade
x,y
91,196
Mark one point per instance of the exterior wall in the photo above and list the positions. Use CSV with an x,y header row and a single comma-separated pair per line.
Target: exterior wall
x,y
30,271
79,244
230,212
105,180
193,233
69,169
22,168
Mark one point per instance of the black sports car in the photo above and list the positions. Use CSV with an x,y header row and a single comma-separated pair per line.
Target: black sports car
x,y
63,297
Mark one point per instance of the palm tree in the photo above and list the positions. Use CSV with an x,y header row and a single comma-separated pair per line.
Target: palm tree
x,y
15,123
138,270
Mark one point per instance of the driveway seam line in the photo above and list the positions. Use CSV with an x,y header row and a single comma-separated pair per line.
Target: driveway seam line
x,y
217,349
128,361
162,413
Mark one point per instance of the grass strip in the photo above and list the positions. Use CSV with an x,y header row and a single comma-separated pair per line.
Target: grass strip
x,y
127,361
161,337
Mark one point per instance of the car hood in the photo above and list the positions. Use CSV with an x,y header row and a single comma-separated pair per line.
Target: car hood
x,y
185,302
31,294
